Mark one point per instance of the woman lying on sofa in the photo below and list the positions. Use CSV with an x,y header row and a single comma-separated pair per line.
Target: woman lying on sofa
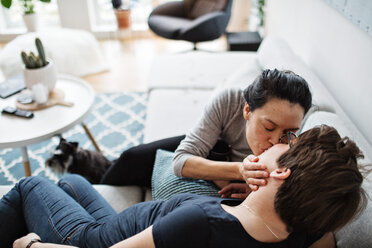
x,y
250,121
314,188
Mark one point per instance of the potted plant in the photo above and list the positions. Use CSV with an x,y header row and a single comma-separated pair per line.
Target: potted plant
x,y
38,70
261,12
122,13
257,17
29,16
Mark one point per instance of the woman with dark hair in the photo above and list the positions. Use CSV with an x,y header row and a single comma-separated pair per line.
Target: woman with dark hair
x,y
314,188
249,121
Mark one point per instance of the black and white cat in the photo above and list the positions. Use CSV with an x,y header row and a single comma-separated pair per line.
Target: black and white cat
x,y
68,157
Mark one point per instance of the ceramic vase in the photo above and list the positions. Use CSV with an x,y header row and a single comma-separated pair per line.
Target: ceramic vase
x,y
46,75
31,22
123,17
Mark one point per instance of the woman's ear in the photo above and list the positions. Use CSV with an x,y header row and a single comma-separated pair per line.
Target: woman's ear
x,y
281,173
246,111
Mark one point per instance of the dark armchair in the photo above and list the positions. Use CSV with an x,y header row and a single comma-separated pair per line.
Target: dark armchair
x,y
191,20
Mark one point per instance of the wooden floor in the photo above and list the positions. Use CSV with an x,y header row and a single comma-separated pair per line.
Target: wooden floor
x,y
130,60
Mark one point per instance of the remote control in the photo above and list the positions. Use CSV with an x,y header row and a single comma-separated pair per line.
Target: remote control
x,y
17,112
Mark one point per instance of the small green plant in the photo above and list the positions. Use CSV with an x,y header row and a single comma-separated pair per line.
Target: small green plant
x,y
32,61
261,11
28,5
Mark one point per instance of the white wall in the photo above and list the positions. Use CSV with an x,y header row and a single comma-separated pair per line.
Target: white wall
x,y
339,52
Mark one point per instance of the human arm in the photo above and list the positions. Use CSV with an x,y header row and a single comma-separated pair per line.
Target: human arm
x,y
327,241
251,171
25,240
202,168
143,239
235,190
221,117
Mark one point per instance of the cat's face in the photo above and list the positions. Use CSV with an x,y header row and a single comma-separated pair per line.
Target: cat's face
x,y
62,156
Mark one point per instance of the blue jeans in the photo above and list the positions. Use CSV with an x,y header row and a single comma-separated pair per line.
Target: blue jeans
x,y
60,213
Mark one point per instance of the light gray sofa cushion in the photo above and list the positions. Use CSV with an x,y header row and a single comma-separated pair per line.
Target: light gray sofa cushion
x,y
172,112
359,232
274,52
344,128
120,197
243,76
5,189
195,70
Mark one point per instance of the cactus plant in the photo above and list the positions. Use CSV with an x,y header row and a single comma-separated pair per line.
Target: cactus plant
x,y
40,50
32,61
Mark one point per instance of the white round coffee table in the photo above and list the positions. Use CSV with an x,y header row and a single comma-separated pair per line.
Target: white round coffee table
x,y
46,123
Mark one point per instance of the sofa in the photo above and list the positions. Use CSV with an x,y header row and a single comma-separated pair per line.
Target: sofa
x,y
181,84
175,108
336,67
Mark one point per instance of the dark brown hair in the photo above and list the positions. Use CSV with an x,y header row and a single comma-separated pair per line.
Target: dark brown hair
x,y
324,191
284,85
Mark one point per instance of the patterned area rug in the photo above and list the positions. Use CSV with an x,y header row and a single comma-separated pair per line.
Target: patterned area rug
x,y
116,122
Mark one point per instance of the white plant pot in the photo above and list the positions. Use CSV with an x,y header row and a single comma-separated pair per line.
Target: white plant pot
x,y
31,22
45,75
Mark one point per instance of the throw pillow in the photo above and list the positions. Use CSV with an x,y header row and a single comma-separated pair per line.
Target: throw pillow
x,y
164,184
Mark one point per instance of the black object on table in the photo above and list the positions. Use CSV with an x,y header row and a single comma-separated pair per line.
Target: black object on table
x,y
243,41
17,112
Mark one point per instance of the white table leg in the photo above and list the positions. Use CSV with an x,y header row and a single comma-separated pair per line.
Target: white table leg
x,y
26,161
95,144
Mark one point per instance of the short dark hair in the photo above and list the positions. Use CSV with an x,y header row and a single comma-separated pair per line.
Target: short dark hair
x,y
285,85
324,191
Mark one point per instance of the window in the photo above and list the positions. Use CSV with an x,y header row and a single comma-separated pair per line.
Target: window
x,y
104,17
12,21
99,12
140,10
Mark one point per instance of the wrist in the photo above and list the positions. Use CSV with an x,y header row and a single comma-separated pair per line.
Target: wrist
x,y
33,243
239,170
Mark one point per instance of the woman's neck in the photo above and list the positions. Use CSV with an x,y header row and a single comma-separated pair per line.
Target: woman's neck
x,y
261,204
259,219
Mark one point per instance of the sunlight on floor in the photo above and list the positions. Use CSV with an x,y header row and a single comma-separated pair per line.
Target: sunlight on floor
x,y
130,61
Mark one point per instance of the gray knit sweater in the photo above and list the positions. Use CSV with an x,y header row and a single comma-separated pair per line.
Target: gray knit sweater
x,y
222,117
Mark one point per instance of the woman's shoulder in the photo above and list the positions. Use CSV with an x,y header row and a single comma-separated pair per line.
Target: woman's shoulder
x,y
229,98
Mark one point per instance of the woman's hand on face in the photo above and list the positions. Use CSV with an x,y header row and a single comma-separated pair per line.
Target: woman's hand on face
x,y
25,240
235,190
253,172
